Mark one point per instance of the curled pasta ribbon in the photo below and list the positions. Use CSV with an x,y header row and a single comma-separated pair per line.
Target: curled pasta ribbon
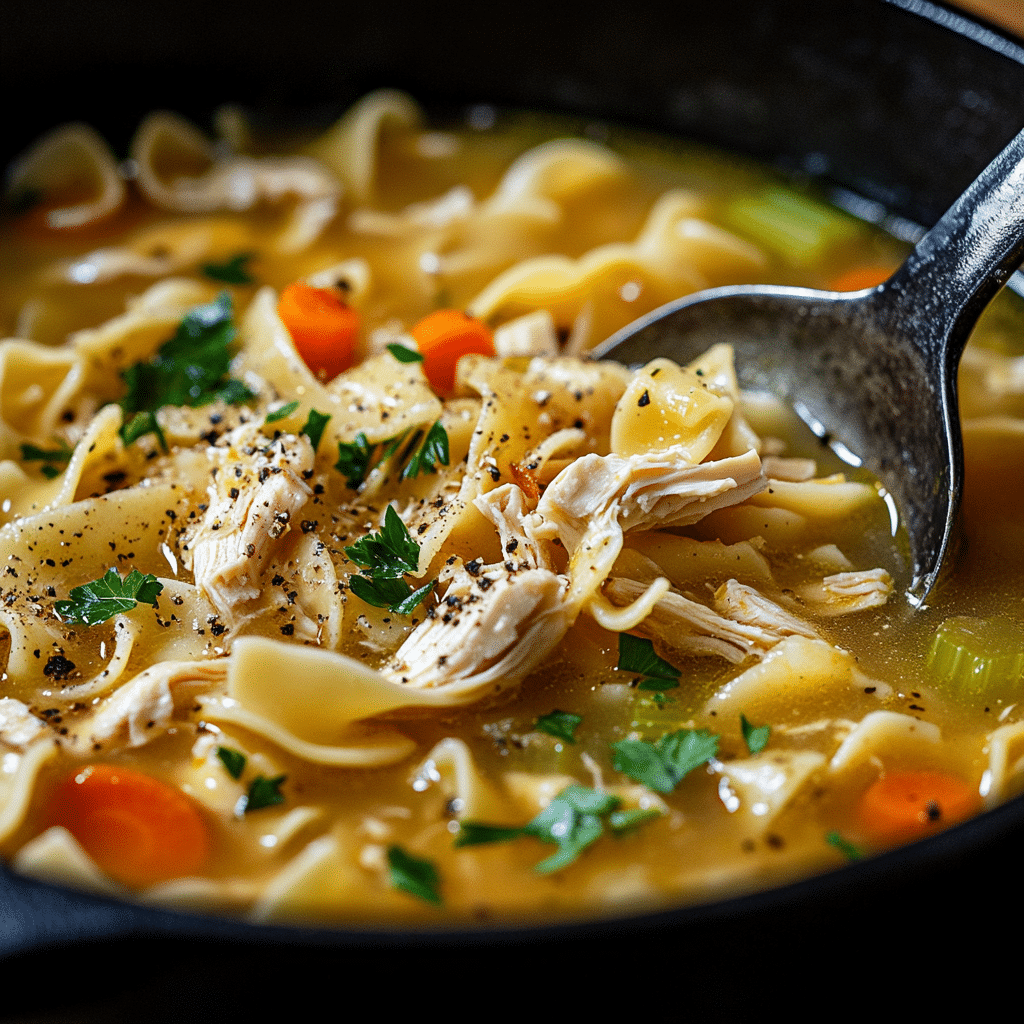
x,y
166,143
68,162
350,148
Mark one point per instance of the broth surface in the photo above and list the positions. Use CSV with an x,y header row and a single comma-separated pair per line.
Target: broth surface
x,y
331,792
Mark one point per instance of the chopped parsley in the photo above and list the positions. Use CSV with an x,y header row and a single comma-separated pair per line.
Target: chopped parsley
x,y
313,428
755,739
282,413
108,596
661,766
54,459
636,655
191,368
560,724
233,761
432,451
404,354
385,557
417,877
844,846
421,452
354,460
574,820
234,270
263,792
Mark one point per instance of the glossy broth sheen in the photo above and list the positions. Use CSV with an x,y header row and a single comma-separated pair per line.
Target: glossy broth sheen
x,y
700,847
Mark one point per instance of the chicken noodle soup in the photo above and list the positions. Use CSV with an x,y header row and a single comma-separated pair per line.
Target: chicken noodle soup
x,y
338,583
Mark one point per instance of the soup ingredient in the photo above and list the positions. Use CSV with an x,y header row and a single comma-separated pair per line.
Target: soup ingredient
x,y
417,877
444,337
981,658
756,739
232,271
104,598
858,278
636,655
324,327
263,792
573,820
906,805
662,765
386,557
137,829
190,369
560,724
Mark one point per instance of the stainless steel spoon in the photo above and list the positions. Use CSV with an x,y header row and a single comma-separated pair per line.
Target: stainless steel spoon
x,y
873,371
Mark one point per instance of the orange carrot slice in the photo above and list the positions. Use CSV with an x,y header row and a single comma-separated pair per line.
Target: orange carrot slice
x,y
138,830
443,338
323,327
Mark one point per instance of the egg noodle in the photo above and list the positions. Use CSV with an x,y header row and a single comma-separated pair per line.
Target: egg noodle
x,y
562,638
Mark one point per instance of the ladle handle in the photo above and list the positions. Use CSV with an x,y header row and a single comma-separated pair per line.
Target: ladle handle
x,y
959,266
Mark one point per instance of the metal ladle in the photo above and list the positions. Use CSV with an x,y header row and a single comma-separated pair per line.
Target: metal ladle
x,y
873,372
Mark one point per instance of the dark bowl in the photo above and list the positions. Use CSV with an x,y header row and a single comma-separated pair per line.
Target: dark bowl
x,y
902,102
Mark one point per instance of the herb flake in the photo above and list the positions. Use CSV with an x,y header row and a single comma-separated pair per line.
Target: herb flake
x,y
756,739
636,655
110,595
419,878
191,369
560,724
661,766
233,270
233,761
573,821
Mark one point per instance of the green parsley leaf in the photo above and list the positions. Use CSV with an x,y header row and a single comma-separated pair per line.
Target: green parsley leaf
x,y
232,271
755,739
636,655
314,427
354,460
191,368
627,821
417,877
264,792
139,425
433,450
404,354
281,414
574,820
661,766
560,724
386,557
108,596
844,846
389,554
233,760
52,457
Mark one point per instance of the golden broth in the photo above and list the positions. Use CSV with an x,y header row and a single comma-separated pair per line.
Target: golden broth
x,y
323,851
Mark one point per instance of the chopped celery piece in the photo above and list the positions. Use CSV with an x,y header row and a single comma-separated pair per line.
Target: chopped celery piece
x,y
979,657
789,223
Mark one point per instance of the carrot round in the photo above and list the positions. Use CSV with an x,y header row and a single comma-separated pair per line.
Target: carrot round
x,y
903,806
860,277
323,327
443,338
138,830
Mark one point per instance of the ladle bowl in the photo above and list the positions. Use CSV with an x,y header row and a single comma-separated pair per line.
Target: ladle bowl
x,y
874,372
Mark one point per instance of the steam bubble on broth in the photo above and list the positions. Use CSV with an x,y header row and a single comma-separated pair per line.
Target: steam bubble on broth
x,y
555,637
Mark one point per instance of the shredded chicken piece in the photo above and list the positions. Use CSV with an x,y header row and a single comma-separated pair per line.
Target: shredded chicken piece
x,y
692,627
490,630
18,726
846,592
253,497
744,604
655,488
144,707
